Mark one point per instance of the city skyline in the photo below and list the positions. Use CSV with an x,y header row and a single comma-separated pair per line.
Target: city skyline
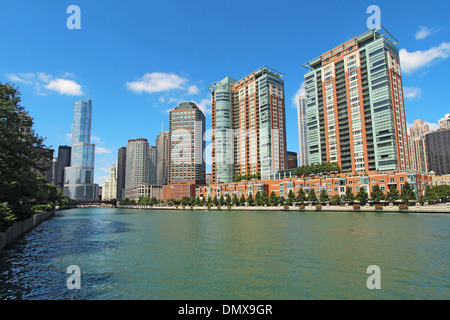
x,y
50,84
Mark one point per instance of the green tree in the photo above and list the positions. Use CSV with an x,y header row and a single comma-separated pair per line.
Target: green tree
x,y
291,197
301,197
222,200
6,217
362,196
21,157
335,200
349,196
264,198
377,195
323,196
242,201
228,200
235,200
273,199
392,194
430,194
257,199
312,196
250,200
408,194
215,201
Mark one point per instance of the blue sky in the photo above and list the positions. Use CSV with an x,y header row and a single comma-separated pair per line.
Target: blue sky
x,y
141,58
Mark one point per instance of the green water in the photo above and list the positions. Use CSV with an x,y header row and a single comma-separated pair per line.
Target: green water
x,y
138,254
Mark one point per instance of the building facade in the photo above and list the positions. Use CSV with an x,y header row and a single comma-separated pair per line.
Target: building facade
x,y
79,177
145,190
444,123
152,162
302,137
109,187
186,144
332,184
292,158
64,155
438,151
137,168
162,158
417,146
249,125
355,112
121,172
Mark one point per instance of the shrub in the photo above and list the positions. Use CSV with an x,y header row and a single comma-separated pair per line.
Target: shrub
x,y
318,207
356,207
378,206
192,207
286,207
209,207
219,208
403,206
301,207
6,217
42,208
229,207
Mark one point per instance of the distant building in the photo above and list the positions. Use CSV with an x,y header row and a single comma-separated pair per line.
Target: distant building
x,y
302,137
186,144
444,123
162,158
439,180
291,160
417,146
179,190
121,169
145,190
152,164
137,167
438,151
208,178
79,177
64,155
109,187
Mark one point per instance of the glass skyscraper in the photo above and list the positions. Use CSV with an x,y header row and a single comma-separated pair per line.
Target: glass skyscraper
x,y
79,177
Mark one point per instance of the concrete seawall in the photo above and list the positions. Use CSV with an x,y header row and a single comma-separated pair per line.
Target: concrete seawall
x,y
343,208
20,228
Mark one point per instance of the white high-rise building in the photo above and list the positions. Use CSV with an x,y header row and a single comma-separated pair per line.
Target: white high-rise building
x,y
109,187
302,138
444,123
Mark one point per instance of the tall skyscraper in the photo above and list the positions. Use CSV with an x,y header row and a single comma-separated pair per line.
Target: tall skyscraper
x,y
162,158
249,125
109,187
444,123
79,177
438,151
186,144
417,146
137,168
302,137
64,155
121,169
152,164
355,113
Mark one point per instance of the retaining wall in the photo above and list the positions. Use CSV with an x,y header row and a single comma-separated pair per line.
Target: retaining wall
x,y
20,228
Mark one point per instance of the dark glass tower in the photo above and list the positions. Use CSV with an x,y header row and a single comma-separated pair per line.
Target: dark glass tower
x,y
64,154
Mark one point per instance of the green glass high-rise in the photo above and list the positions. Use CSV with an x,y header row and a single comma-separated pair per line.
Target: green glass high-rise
x,y
355,112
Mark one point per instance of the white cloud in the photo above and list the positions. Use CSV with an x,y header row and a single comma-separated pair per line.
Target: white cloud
x,y
412,61
433,126
300,92
44,82
63,86
161,99
101,150
157,82
412,93
95,139
423,32
193,89
204,105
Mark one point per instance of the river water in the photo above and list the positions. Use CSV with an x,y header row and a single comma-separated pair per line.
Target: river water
x,y
152,254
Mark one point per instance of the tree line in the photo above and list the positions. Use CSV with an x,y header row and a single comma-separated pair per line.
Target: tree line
x,y
23,189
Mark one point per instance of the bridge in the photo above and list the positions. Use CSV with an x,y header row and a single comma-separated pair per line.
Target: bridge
x,y
96,203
